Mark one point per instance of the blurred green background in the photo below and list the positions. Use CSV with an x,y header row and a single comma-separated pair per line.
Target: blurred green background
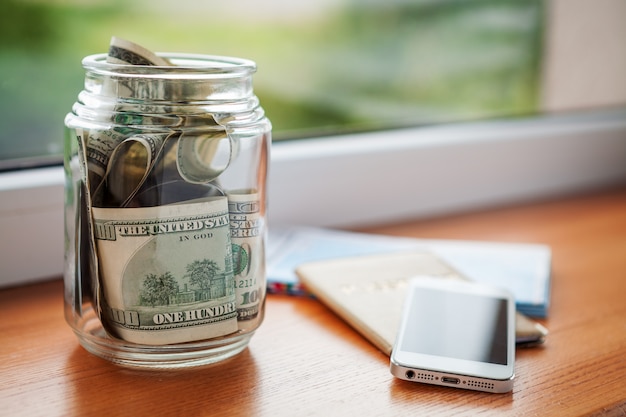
x,y
325,67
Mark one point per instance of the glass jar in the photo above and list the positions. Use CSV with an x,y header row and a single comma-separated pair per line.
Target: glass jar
x,y
165,217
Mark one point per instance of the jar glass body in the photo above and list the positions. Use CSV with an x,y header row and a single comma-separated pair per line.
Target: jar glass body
x,y
165,217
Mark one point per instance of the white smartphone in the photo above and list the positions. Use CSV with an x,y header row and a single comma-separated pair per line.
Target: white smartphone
x,y
456,334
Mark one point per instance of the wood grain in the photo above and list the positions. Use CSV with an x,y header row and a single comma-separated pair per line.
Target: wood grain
x,y
305,361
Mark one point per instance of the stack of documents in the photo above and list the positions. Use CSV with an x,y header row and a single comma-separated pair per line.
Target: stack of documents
x,y
523,269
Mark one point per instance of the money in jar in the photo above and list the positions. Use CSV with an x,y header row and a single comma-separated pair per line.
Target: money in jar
x,y
166,161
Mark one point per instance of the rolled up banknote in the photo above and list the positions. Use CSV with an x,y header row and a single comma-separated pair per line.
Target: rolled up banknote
x,y
128,168
122,51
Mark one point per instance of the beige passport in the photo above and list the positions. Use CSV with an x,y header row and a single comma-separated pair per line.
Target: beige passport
x,y
368,292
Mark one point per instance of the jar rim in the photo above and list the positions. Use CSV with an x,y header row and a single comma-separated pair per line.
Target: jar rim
x,y
199,64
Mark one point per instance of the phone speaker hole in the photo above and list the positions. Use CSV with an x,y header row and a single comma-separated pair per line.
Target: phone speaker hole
x,y
480,384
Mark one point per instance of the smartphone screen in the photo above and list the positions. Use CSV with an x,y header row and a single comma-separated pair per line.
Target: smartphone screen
x,y
458,334
457,325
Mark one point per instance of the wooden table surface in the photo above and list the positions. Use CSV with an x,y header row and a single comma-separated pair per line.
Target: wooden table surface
x,y
305,361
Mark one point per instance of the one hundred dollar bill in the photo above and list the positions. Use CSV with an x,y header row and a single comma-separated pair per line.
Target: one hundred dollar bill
x,y
201,158
128,166
247,236
98,145
166,272
122,51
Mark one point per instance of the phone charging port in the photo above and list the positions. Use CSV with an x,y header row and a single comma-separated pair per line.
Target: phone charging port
x,y
450,380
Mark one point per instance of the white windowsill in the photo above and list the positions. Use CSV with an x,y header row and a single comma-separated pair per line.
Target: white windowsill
x,y
365,178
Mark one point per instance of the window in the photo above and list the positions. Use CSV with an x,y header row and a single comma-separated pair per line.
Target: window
x,y
325,67
396,90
